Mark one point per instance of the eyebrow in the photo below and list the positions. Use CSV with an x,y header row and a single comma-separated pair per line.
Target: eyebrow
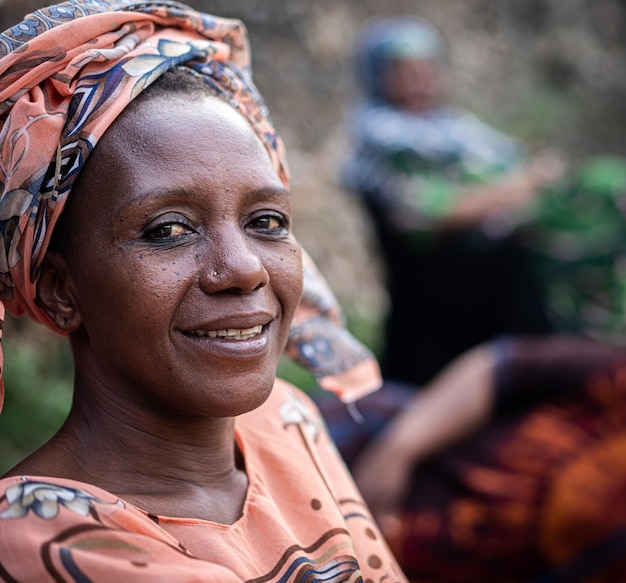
x,y
164,195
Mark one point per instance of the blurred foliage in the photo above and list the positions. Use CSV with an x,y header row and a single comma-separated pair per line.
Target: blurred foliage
x,y
38,378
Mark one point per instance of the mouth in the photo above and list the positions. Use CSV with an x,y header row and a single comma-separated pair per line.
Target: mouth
x,y
229,333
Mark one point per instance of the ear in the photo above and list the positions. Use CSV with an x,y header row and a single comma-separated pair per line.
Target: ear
x,y
54,294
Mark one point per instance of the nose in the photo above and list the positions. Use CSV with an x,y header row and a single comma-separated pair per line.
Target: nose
x,y
232,263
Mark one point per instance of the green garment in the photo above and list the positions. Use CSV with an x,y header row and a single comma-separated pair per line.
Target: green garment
x,y
578,245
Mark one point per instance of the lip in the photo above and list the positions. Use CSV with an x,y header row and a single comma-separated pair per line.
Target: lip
x,y
209,336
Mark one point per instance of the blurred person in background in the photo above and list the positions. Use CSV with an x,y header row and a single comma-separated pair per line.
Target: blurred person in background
x,y
505,464
509,466
445,191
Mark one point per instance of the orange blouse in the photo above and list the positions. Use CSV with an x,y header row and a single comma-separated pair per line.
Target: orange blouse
x,y
303,519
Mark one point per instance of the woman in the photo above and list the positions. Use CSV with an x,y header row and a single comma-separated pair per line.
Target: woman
x,y
445,191
173,270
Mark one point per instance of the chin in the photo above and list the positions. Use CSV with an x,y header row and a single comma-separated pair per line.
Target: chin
x,y
245,401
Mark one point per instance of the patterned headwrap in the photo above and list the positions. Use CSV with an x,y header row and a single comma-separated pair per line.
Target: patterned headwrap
x,y
66,73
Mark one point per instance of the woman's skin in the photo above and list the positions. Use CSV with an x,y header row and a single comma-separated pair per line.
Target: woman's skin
x,y
181,229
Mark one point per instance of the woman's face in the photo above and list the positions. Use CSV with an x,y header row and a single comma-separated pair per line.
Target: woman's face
x,y
413,84
184,270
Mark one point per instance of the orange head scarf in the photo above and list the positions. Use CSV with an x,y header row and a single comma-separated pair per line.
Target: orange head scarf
x,y
66,73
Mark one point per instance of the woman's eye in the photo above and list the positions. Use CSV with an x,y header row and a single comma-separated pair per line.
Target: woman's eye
x,y
269,223
169,231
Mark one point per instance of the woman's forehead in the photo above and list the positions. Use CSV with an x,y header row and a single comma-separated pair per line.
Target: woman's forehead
x,y
181,128
180,144
189,111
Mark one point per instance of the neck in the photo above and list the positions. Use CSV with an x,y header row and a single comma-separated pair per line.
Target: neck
x,y
164,447
165,464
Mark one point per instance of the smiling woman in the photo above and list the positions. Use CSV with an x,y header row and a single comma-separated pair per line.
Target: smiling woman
x,y
173,214
155,232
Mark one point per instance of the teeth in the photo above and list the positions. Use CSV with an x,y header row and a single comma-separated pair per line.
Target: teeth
x,y
233,333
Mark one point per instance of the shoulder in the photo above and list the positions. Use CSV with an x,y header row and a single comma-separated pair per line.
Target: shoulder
x,y
43,497
287,436
57,503
58,529
31,504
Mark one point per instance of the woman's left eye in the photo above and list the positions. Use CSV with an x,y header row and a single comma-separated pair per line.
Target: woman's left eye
x,y
168,231
269,223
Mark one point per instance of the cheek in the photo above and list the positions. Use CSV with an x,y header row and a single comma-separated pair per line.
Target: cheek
x,y
129,287
286,277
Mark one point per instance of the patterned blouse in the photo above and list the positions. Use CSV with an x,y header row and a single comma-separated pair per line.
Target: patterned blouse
x,y
303,519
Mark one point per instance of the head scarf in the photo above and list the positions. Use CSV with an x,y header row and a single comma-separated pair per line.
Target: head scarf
x,y
66,73
382,40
